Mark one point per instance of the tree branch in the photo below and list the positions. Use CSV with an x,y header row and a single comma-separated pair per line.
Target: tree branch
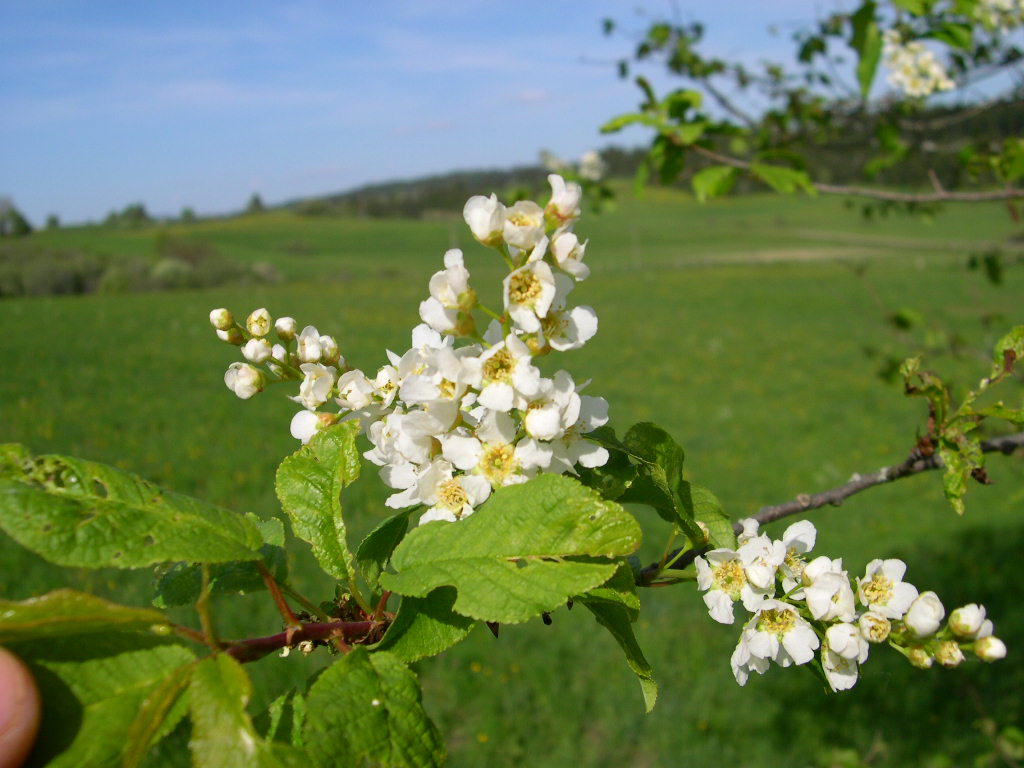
x,y
915,464
939,196
255,648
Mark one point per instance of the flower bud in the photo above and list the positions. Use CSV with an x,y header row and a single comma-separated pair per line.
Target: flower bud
x,y
486,219
966,620
875,627
286,328
949,654
329,352
244,380
258,323
925,614
221,319
990,648
308,346
256,350
231,336
920,658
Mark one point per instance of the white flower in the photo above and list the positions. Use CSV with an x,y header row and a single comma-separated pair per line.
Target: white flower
x,y
491,451
329,352
846,640
969,621
840,672
503,374
285,328
316,387
308,347
749,527
573,447
592,166
259,322
568,252
720,573
829,596
883,590
798,540
874,627
524,225
949,654
355,391
244,380
912,67
565,199
925,614
449,293
989,648
305,424
231,336
776,632
256,350
761,557
450,497
221,319
556,408
528,293
486,219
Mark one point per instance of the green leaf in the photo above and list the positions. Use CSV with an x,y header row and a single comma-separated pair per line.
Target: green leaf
x,y
525,552
375,550
616,620
223,735
425,626
366,707
92,693
181,584
916,7
954,479
79,513
65,612
309,484
866,40
783,179
164,707
955,35
619,590
613,478
619,122
13,459
713,181
284,719
702,505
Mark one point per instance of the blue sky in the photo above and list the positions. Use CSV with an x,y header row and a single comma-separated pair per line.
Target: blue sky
x,y
203,103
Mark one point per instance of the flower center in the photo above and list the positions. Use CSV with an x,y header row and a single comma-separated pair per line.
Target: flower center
x,y
776,621
520,219
795,563
524,288
452,496
878,591
729,578
446,389
497,462
499,366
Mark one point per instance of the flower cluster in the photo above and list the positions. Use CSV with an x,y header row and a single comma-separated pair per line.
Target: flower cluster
x,y
800,605
913,68
1000,15
459,414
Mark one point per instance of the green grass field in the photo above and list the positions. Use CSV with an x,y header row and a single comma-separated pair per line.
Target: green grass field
x,y
740,326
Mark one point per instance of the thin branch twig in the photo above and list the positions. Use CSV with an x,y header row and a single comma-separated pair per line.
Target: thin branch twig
x,y
914,464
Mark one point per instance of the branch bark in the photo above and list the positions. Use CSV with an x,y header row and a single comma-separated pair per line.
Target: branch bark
x,y
255,648
915,464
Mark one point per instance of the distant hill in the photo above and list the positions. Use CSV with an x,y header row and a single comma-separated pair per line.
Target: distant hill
x,y
445,194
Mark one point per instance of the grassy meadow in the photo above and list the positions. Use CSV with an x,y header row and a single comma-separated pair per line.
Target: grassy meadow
x,y
740,326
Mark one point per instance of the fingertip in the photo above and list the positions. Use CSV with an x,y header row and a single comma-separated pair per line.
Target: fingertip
x,y
19,710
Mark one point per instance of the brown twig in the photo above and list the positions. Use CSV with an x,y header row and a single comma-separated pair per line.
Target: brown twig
x,y
914,464
255,648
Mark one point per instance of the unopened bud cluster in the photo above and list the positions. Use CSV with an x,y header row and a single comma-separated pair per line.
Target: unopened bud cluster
x,y
460,413
800,605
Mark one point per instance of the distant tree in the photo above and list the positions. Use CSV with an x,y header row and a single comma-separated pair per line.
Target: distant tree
x,y
187,215
135,214
255,204
52,222
12,223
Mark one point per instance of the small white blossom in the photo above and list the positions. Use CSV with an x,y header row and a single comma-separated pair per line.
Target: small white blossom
x,y
883,590
258,323
925,614
257,350
968,621
568,252
286,328
949,654
592,166
316,387
776,632
524,225
221,319
565,199
874,627
486,219
989,648
721,575
308,347
244,380
912,67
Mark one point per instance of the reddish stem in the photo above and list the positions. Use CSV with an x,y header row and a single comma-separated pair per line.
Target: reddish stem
x,y
255,648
